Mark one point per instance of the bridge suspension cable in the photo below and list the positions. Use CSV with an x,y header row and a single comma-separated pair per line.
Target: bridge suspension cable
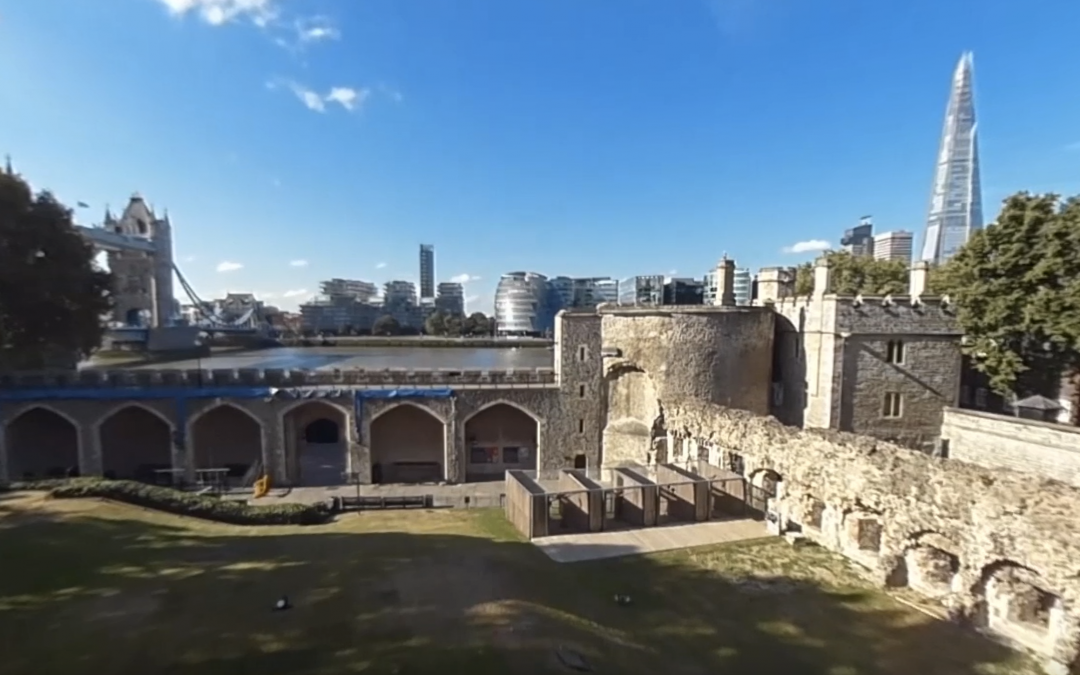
x,y
248,319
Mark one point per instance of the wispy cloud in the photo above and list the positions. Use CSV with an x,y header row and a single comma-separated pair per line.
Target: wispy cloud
x,y
219,12
298,263
228,266
464,278
189,258
380,266
347,97
391,93
294,293
808,246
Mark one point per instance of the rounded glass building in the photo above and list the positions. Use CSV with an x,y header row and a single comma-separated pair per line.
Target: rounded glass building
x,y
521,300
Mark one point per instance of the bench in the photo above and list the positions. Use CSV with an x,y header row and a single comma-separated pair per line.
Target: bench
x,y
379,503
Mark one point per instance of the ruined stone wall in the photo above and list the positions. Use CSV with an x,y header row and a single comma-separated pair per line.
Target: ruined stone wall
x,y
984,542
1001,442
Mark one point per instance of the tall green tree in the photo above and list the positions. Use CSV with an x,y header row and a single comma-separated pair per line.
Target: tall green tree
x,y
435,324
53,298
386,325
852,275
1016,285
477,324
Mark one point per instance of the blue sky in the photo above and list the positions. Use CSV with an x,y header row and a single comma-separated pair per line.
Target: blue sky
x,y
297,140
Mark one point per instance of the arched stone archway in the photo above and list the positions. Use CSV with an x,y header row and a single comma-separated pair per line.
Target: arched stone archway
x,y
408,445
928,564
633,411
226,437
1014,602
762,492
41,443
498,438
135,442
316,443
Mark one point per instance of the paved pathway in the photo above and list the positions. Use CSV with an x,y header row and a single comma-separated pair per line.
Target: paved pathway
x,y
598,545
479,495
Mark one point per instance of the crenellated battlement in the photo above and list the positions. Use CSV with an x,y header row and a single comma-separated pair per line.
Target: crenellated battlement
x,y
257,377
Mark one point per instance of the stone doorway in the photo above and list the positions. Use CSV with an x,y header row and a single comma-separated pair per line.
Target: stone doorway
x,y
227,437
408,445
499,438
135,443
317,444
41,443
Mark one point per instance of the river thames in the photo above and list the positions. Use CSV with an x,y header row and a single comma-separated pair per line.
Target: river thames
x,y
368,358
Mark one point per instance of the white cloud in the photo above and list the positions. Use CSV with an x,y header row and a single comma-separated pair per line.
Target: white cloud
x,y
463,278
348,98
315,29
808,246
219,12
380,266
294,293
189,258
227,266
297,263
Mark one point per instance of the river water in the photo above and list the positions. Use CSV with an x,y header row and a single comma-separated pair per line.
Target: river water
x,y
371,358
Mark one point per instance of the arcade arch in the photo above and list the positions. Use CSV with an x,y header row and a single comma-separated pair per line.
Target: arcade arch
x,y
499,437
41,443
316,443
408,445
135,442
226,437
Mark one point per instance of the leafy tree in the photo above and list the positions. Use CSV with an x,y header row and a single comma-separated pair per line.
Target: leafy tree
x,y
1016,285
435,324
53,298
386,325
477,324
852,275
453,326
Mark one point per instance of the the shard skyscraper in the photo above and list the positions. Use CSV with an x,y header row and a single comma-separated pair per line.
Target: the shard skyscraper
x,y
956,201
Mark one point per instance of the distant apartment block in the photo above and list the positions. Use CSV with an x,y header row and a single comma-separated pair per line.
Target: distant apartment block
x,y
895,245
427,271
859,240
363,291
450,299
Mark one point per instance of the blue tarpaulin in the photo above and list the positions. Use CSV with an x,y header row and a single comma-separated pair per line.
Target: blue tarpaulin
x,y
361,394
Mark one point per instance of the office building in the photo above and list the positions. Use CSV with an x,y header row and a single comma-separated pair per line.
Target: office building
x,y
522,305
743,286
859,240
956,198
645,290
684,292
427,271
895,245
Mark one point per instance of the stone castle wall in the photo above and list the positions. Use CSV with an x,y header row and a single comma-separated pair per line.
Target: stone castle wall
x,y
989,544
257,377
1002,442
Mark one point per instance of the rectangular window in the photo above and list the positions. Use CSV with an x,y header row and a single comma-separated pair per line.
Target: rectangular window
x,y
894,405
980,397
482,455
581,391
582,353
895,352
581,426
511,456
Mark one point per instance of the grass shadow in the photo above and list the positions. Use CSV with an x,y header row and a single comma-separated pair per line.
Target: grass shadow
x,y
105,588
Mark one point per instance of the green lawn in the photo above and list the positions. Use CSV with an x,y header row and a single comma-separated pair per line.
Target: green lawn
x,y
99,588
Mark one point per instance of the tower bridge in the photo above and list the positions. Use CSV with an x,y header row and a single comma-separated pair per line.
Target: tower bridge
x,y
139,248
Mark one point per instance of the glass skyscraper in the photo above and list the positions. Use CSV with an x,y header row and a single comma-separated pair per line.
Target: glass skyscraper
x,y
956,200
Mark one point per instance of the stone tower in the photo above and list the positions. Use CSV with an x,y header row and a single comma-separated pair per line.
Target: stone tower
x,y
144,281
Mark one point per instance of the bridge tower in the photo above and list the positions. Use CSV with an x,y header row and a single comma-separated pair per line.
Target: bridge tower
x,y
144,281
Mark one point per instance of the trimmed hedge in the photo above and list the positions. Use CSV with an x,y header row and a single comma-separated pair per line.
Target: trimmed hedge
x,y
182,503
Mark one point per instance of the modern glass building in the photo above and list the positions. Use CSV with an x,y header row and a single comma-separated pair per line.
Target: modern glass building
x,y
427,271
642,290
743,286
956,199
522,304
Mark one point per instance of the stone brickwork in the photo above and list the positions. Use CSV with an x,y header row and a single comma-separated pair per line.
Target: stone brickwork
x,y
883,366
999,549
1001,442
